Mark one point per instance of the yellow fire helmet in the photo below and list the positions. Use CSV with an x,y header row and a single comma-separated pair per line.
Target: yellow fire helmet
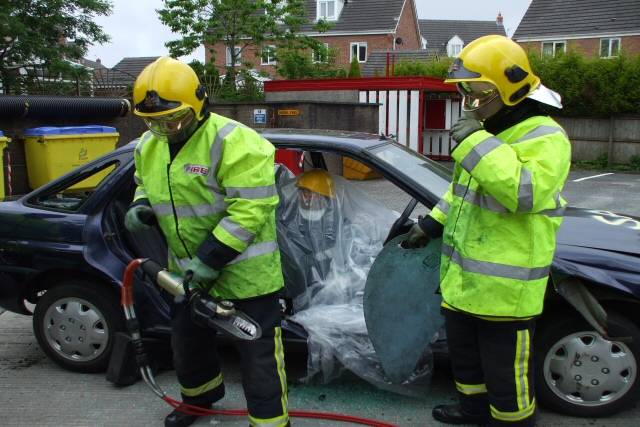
x,y
168,86
319,181
497,60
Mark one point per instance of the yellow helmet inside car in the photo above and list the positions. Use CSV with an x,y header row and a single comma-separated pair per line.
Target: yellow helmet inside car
x,y
168,86
317,180
499,61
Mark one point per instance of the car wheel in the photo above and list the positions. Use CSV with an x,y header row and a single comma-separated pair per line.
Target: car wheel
x,y
580,373
75,324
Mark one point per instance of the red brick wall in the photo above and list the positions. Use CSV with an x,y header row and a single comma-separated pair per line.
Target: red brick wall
x,y
591,47
341,43
250,54
407,29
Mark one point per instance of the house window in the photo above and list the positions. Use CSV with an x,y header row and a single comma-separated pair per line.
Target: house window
x,y
269,55
359,50
238,56
609,48
327,9
553,48
454,46
321,55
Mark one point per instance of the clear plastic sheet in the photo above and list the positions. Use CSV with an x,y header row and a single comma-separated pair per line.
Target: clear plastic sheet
x,y
327,245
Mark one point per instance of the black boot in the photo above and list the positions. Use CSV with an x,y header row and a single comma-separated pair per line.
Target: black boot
x,y
179,419
453,414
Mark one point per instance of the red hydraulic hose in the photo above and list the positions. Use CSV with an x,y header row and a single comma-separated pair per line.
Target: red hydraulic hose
x,y
127,303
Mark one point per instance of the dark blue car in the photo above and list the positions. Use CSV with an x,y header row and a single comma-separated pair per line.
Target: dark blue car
x,y
64,250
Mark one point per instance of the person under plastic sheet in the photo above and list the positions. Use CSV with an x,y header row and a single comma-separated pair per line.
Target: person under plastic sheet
x,y
328,231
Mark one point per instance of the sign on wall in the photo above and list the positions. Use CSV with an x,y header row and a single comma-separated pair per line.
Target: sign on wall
x,y
289,112
260,116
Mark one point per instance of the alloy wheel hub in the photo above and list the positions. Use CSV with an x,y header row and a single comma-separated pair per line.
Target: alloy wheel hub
x,y
76,329
588,370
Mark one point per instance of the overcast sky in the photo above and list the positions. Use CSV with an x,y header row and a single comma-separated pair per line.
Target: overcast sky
x,y
135,29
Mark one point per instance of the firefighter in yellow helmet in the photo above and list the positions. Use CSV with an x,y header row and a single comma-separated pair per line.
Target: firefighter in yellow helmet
x,y
498,221
210,184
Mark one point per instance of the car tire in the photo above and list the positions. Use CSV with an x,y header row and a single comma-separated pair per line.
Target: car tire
x,y
75,324
581,374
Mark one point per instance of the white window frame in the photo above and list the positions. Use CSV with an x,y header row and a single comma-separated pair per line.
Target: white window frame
x,y
326,16
271,58
454,46
610,40
554,43
314,58
359,45
228,56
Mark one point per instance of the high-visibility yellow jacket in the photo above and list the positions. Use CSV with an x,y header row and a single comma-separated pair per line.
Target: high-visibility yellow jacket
x,y
216,199
501,215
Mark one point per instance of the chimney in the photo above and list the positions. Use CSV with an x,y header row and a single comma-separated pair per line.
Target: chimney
x,y
98,61
499,19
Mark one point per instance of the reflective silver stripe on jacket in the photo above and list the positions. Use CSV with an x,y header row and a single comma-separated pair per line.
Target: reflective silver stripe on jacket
x,y
236,230
488,202
443,205
255,250
482,200
540,131
165,209
525,191
479,151
495,269
216,156
143,140
251,192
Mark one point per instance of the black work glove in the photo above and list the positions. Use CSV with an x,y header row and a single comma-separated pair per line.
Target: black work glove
x,y
464,127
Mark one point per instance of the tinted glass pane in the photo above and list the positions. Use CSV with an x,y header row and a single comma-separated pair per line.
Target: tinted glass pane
x,y
331,9
547,49
615,47
72,197
423,171
363,53
559,48
604,48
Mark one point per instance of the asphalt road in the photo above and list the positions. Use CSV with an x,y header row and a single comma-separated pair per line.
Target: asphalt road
x,y
35,392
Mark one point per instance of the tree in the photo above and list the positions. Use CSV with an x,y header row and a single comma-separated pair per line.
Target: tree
x,y
295,64
238,24
47,33
354,70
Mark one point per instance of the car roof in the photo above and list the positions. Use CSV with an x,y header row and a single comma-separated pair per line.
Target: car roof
x,y
313,139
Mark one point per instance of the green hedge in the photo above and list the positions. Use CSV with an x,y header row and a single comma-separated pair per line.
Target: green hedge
x,y
592,87
589,87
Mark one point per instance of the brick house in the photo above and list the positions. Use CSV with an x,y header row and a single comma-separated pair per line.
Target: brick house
x,y
594,28
444,37
358,28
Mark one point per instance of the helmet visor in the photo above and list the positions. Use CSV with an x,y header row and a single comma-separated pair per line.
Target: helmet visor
x,y
170,124
477,94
